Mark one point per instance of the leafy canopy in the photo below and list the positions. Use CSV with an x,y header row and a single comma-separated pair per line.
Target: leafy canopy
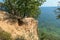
x,y
57,11
23,8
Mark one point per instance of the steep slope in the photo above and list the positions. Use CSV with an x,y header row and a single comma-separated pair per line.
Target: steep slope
x,y
28,30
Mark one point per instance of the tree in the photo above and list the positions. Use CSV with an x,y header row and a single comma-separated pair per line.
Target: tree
x,y
19,9
47,36
23,8
57,11
1,5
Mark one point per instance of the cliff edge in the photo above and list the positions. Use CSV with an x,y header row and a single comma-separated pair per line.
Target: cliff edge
x,y
28,30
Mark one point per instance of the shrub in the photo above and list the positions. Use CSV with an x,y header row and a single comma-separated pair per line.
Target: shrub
x,y
20,38
4,35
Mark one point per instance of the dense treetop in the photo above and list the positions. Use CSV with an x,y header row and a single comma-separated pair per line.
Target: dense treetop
x,y
23,8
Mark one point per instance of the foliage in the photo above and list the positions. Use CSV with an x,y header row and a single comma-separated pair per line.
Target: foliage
x,y
57,11
23,8
47,36
20,38
4,35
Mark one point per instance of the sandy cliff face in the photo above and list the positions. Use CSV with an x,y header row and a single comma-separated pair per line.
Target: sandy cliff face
x,y
27,30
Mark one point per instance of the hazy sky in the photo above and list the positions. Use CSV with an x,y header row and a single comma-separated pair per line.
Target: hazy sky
x,y
1,0
48,3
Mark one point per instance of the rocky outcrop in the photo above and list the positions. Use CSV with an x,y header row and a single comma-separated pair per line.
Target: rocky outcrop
x,y
28,30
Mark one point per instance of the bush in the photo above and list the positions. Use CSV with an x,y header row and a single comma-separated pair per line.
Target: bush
x,y
4,35
20,38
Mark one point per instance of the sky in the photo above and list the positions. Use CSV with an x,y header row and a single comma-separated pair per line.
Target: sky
x,y
48,3
1,0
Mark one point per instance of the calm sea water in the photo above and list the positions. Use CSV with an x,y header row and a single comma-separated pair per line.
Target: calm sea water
x,y
48,21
